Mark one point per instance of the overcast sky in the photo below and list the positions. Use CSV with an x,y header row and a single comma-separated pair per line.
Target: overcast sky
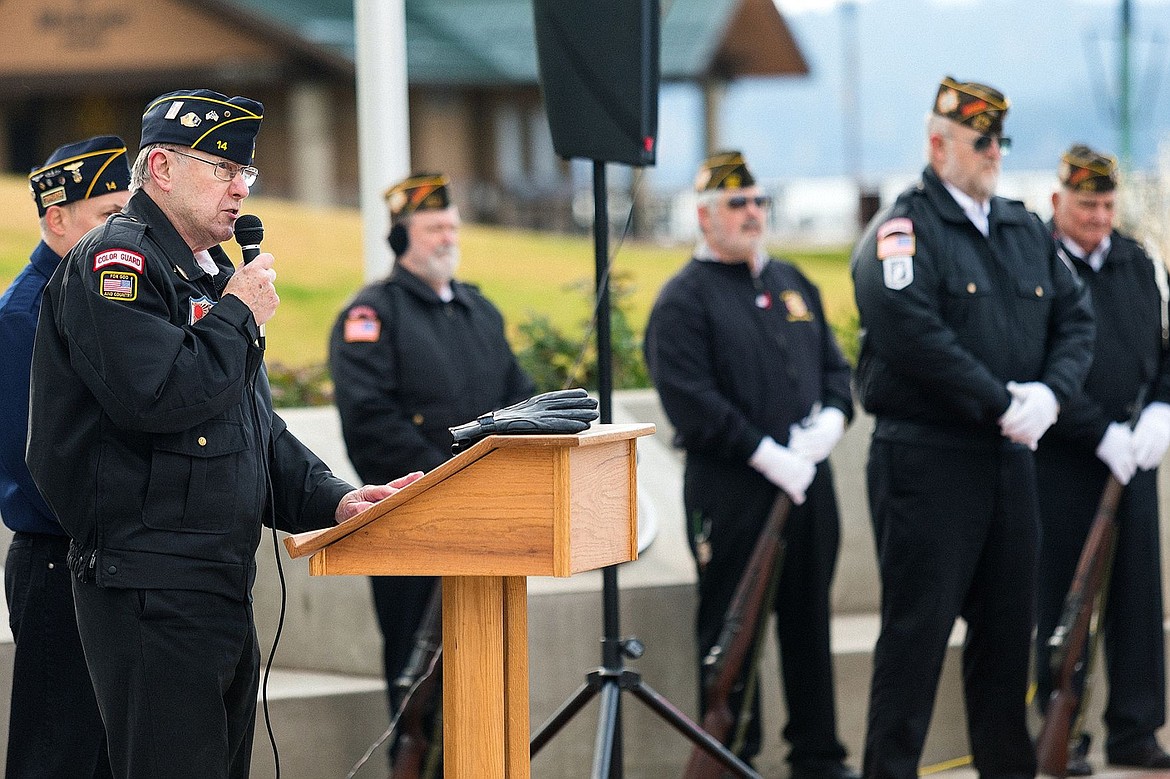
x,y
1055,60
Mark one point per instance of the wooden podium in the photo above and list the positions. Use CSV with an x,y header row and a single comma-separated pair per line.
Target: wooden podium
x,y
507,508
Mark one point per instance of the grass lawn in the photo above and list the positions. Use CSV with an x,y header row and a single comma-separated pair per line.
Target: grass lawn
x,y
319,265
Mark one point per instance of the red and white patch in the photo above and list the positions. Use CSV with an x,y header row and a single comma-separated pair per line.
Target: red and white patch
x,y
362,325
899,224
129,259
896,245
199,308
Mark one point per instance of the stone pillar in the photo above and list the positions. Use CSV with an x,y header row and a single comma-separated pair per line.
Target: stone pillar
x,y
314,164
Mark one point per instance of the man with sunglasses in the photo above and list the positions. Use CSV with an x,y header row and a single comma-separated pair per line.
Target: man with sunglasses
x,y
1092,438
751,377
152,437
974,334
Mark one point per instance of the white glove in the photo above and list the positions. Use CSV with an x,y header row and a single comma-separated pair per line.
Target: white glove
x,y
1116,451
779,465
1032,411
1151,436
814,438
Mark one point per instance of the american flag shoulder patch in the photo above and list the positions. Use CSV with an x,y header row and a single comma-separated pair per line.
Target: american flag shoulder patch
x,y
125,257
362,325
117,285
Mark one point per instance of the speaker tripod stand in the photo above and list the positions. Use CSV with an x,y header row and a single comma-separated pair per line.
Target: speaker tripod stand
x,y
613,678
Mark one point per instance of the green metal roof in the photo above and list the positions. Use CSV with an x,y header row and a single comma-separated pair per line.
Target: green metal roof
x,y
490,42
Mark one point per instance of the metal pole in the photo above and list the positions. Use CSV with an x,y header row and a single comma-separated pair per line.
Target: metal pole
x,y
383,119
850,96
611,643
1124,79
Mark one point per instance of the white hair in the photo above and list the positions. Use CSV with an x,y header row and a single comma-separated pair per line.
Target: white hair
x,y
936,125
140,170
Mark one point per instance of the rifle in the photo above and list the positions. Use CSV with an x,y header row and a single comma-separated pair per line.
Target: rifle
x,y
738,640
1069,642
418,686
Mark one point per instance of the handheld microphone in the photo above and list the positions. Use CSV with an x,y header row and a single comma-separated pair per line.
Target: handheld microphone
x,y
249,233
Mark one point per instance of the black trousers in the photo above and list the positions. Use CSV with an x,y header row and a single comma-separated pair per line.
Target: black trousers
x,y
729,504
54,728
176,674
956,534
1135,662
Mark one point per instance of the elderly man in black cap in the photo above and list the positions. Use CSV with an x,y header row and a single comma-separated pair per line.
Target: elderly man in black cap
x,y
1092,438
54,728
974,333
152,438
753,381
411,356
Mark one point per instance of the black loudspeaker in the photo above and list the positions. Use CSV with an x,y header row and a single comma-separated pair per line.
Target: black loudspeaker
x,y
599,67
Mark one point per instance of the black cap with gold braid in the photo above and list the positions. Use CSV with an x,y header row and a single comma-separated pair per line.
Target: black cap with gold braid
x,y
418,192
724,170
1084,170
977,106
81,170
204,120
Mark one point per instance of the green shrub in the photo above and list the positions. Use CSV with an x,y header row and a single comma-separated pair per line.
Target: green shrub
x,y
848,332
558,360
300,386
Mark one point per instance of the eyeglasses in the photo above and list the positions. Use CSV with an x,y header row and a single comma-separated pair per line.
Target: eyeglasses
x,y
736,202
983,143
227,171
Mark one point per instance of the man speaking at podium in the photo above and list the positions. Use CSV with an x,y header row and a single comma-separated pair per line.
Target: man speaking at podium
x,y
152,438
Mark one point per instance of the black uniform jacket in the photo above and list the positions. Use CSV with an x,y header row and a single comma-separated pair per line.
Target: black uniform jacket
x,y
735,357
1130,357
407,366
152,434
976,313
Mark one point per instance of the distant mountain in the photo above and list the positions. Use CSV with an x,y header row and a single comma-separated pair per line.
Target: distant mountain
x,y
1056,60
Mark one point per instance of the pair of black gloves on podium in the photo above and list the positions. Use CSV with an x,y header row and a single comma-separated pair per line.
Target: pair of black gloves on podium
x,y
562,411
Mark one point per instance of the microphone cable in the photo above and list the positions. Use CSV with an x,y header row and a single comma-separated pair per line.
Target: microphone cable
x,y
275,640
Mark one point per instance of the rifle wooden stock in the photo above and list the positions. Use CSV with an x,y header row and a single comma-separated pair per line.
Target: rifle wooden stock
x,y
419,685
1069,642
726,660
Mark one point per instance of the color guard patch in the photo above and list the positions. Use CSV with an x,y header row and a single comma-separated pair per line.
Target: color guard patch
x,y
125,257
362,325
898,271
899,224
117,285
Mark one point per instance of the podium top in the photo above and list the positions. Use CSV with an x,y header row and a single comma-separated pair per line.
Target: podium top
x,y
304,544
